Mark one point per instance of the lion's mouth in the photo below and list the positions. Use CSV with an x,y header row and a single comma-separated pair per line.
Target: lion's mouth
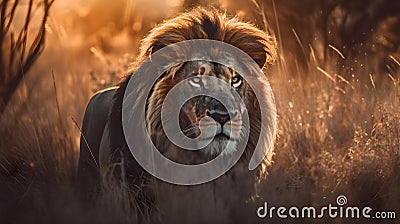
x,y
221,136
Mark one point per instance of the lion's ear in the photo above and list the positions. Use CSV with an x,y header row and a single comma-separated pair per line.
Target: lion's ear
x,y
260,58
258,44
151,46
265,51
173,70
155,47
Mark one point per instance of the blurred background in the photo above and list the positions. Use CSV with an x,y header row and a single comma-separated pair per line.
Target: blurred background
x,y
336,84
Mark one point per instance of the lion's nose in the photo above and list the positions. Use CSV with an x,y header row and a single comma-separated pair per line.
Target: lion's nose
x,y
220,117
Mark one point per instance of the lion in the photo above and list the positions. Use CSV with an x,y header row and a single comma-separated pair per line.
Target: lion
x,y
103,141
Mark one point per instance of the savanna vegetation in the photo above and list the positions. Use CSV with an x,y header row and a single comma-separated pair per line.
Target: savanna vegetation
x,y
336,85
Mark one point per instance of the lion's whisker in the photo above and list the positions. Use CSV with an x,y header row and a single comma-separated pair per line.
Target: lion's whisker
x,y
190,129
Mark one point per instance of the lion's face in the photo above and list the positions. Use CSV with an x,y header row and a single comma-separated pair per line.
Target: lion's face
x,y
225,130
223,125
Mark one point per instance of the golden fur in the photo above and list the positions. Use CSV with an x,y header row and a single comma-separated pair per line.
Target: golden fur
x,y
199,23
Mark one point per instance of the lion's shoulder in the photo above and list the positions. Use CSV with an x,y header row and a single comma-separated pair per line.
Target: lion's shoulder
x,y
98,108
103,96
94,122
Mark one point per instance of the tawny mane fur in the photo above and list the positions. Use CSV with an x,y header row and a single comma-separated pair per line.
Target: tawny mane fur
x,y
200,23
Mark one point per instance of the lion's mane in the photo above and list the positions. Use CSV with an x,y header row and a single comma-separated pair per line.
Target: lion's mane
x,y
199,23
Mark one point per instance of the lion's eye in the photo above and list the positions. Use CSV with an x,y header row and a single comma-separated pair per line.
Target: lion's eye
x,y
236,81
195,82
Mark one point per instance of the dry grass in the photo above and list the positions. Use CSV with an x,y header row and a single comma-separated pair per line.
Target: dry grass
x,y
17,51
338,134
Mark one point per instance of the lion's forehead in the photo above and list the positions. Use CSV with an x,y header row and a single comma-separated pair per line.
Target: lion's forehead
x,y
225,57
208,68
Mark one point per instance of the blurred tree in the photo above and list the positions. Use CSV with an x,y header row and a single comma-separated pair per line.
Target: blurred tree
x,y
17,52
355,27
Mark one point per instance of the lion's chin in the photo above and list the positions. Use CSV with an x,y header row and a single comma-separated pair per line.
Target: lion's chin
x,y
220,145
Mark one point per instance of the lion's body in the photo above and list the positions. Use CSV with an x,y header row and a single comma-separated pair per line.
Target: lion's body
x,y
94,136
103,141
